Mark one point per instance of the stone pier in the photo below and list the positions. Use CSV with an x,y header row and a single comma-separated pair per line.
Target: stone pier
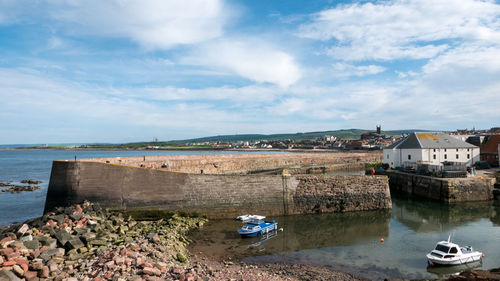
x,y
218,193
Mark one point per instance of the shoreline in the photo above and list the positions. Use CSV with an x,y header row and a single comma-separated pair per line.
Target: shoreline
x,y
86,242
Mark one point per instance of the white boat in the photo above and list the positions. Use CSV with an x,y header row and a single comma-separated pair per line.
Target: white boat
x,y
448,253
250,217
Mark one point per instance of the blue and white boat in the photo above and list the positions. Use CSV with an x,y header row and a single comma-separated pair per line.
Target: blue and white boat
x,y
257,226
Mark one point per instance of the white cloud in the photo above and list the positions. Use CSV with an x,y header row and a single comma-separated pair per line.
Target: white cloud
x,y
154,24
346,70
247,94
409,73
250,58
349,101
401,29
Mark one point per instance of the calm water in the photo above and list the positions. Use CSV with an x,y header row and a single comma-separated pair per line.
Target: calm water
x,y
36,164
351,241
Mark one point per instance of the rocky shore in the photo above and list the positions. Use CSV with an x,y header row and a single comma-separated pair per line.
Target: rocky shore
x,y
32,185
85,242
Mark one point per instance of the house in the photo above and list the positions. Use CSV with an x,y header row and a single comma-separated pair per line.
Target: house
x,y
489,150
430,148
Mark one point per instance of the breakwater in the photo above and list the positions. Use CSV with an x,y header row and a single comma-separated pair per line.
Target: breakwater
x,y
142,183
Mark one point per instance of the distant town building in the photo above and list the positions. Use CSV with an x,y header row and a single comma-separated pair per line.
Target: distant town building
x,y
372,135
430,148
489,150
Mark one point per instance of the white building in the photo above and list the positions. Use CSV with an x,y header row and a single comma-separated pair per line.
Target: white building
x,y
430,148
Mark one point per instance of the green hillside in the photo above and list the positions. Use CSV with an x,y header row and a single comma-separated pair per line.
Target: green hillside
x,y
346,134
343,134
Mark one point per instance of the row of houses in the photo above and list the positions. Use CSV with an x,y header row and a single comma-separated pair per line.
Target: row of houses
x,y
436,148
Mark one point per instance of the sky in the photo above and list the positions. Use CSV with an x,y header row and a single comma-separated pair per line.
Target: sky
x,y
132,70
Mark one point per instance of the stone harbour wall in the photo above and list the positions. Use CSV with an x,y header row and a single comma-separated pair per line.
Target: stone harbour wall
x,y
215,196
324,194
447,190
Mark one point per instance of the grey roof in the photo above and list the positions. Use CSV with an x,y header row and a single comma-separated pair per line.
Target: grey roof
x,y
394,144
431,140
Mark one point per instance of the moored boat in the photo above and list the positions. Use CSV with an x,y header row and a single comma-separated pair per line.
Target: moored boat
x,y
245,218
257,226
448,253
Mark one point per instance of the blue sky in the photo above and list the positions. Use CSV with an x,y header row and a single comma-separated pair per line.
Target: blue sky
x,y
122,70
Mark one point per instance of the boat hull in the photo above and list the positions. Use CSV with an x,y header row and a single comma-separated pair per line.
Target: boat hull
x,y
265,228
463,259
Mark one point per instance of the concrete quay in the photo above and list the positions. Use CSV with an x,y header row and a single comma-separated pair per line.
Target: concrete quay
x,y
220,186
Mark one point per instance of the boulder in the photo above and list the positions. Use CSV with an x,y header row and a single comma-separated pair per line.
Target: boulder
x,y
7,275
74,243
32,245
62,236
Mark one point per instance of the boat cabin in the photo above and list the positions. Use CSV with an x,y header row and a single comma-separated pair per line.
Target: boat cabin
x,y
445,249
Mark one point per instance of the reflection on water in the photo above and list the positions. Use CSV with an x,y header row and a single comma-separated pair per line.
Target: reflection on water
x,y
446,271
299,233
351,241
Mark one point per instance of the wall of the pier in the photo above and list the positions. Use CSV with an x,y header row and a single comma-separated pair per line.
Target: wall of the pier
x,y
443,189
215,196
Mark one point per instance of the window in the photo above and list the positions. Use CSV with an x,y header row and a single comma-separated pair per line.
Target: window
x,y
387,156
434,156
453,250
445,156
457,156
467,149
434,150
468,156
445,150
442,248
409,157
457,149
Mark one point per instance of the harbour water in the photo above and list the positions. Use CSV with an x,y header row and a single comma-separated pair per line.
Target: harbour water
x,y
351,241
16,165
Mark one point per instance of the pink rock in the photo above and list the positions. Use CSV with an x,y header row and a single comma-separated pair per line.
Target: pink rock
x,y
119,260
30,274
6,239
12,255
110,264
151,271
53,267
78,209
177,270
6,251
21,260
51,223
9,263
